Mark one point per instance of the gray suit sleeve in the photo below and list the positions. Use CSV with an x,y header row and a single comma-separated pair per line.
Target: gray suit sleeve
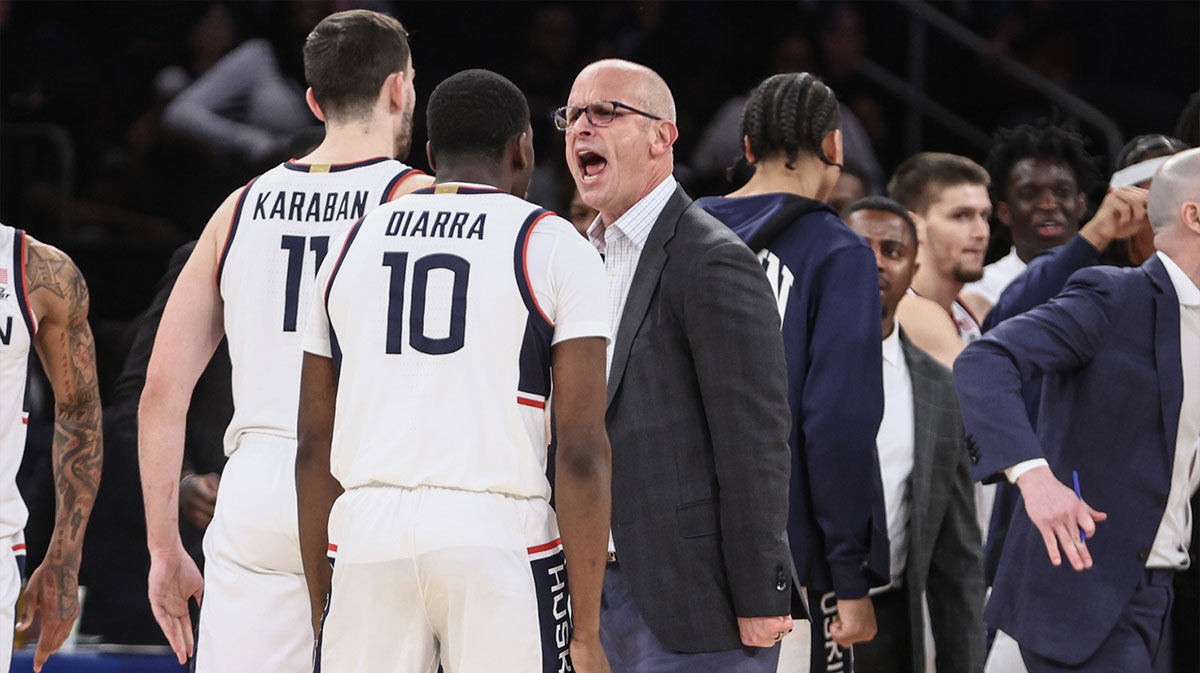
x,y
955,587
732,327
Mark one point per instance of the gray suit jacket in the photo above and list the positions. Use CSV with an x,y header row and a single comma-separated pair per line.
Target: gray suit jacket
x,y
945,550
698,421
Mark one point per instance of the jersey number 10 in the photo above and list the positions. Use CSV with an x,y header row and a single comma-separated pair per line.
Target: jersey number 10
x,y
398,263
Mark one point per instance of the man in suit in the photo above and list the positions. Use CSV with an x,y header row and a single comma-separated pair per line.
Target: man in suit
x,y
700,578
935,543
1119,350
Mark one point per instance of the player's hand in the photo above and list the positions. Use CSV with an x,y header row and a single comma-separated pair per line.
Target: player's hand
x,y
1121,214
1059,514
174,578
855,621
587,656
764,631
198,497
53,590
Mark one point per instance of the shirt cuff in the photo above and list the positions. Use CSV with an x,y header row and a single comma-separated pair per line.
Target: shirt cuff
x,y
1022,467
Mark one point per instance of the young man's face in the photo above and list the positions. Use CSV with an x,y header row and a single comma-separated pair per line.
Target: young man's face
x,y
955,232
1042,204
895,255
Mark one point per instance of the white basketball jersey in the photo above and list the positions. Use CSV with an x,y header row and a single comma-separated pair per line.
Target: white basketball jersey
x,y
439,314
17,327
281,230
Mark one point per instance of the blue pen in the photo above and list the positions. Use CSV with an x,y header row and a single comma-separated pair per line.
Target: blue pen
x,y
1075,476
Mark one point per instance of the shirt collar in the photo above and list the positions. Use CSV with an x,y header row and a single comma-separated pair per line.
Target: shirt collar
x,y
636,222
892,354
1185,289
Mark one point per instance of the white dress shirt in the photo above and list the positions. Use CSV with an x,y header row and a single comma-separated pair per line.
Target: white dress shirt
x,y
1175,531
895,444
621,245
997,276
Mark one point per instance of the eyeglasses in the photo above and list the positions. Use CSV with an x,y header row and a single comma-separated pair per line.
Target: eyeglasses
x,y
600,113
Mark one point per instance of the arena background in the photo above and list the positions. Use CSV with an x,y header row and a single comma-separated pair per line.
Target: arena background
x,y
87,164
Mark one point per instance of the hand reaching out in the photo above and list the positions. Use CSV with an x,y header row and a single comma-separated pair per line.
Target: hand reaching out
x,y
1059,515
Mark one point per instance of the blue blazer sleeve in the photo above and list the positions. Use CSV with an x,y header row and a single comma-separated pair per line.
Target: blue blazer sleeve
x,y
842,407
1044,278
1060,335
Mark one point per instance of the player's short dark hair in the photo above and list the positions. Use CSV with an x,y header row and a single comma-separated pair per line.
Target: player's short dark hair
x,y
923,176
348,56
1060,143
1149,146
884,204
475,113
790,114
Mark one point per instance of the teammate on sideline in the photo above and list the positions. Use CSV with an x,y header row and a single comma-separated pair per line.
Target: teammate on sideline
x,y
44,304
250,278
437,330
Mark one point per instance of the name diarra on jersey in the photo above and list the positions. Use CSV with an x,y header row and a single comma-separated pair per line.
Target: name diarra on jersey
x,y
440,224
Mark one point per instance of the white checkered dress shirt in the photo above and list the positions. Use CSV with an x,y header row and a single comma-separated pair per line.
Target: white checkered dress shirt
x,y
621,245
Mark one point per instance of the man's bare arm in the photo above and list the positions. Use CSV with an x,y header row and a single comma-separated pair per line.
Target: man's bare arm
x,y
316,489
930,328
191,327
583,490
59,298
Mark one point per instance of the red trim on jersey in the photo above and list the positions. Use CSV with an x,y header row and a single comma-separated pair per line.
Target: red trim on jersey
x,y
19,547
342,166
233,221
332,547
24,420
546,547
531,403
411,172
525,266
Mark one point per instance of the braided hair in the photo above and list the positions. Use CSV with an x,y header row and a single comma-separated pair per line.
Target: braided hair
x,y
790,114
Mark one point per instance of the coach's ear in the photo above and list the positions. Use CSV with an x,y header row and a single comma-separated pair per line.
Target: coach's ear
x,y
429,156
313,104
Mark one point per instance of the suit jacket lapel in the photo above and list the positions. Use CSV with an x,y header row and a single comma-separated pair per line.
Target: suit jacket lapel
x,y
1166,350
645,279
924,444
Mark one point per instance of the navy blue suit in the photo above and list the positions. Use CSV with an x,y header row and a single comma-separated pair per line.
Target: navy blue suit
x,y
827,285
1108,325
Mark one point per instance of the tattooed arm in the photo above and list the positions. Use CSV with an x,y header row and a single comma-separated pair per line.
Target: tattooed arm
x,y
59,299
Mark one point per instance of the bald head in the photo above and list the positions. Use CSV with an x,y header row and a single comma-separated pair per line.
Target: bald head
x,y
648,87
1175,191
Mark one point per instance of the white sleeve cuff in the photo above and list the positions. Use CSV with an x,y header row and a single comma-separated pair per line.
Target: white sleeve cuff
x,y
1022,467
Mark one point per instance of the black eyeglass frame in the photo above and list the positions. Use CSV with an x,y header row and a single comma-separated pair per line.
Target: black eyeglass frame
x,y
561,114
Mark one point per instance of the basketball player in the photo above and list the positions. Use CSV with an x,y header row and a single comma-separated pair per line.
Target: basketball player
x,y
430,350
44,303
250,277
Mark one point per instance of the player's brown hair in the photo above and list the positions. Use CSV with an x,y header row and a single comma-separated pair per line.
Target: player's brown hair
x,y
918,181
348,56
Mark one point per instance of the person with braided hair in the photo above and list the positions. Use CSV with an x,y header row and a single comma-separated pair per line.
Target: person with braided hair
x,y
827,294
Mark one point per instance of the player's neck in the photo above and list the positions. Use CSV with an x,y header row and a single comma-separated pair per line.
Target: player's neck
x,y
349,143
772,176
474,171
941,291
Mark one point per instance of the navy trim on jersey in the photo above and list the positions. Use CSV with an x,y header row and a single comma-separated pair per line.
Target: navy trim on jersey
x,y
459,189
294,165
19,286
550,582
519,267
335,350
341,256
389,190
233,225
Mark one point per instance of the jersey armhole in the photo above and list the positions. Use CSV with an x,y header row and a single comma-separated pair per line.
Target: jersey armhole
x,y
20,243
337,265
233,225
389,192
521,264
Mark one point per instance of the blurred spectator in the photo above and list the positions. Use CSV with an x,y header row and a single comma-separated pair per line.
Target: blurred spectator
x,y
251,101
851,186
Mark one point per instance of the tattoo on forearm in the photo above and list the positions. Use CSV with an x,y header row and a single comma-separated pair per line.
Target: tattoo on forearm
x,y
77,444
